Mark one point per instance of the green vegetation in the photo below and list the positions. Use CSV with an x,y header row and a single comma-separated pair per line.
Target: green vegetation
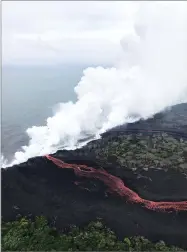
x,y
131,151
25,235
134,151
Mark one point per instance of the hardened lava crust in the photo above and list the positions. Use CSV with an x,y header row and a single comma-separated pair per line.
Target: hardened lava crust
x,y
148,158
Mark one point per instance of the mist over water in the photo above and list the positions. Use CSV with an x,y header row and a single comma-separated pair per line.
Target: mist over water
x,y
150,77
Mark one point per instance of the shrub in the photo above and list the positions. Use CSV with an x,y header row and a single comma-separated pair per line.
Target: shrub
x,y
27,235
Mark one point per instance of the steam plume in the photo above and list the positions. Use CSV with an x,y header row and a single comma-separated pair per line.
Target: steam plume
x,y
151,77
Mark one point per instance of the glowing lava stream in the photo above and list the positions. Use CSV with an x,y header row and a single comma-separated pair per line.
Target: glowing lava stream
x,y
116,185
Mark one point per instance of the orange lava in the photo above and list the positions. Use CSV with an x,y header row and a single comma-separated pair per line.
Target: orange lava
x,y
116,186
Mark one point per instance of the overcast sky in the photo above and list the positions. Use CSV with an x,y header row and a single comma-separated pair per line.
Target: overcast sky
x,y
50,32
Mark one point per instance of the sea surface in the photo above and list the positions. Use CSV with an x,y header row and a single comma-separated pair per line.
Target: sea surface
x,y
29,96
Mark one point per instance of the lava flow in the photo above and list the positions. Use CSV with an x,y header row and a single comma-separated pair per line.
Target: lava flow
x,y
116,185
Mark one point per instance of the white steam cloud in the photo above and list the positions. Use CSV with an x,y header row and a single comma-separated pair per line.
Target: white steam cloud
x,y
151,77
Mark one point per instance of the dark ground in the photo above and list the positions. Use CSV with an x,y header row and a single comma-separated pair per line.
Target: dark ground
x,y
38,187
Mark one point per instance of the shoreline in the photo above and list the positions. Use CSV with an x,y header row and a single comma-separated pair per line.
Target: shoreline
x,y
38,187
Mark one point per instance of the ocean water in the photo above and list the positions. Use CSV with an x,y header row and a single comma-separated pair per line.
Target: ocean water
x,y
29,97
150,77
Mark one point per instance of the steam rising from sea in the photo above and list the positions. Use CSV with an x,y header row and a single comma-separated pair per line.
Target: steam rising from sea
x,y
151,76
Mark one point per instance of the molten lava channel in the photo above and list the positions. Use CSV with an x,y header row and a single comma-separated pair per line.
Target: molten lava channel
x,y
116,186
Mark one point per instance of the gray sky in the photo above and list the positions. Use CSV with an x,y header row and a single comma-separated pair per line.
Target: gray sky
x,y
51,32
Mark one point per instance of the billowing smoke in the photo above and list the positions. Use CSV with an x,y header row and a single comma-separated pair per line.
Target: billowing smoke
x,y
151,76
